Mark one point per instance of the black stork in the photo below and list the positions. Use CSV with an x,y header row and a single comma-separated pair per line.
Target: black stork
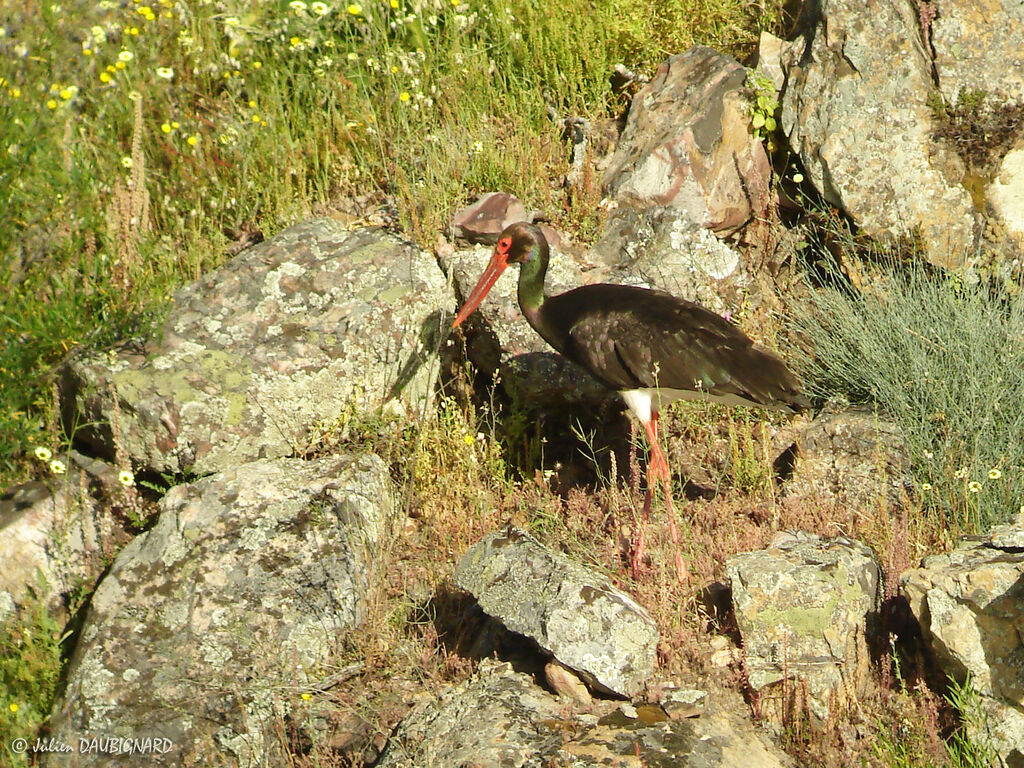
x,y
650,346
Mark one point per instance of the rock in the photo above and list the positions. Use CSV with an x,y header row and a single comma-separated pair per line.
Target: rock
x,y
55,537
659,248
236,595
500,718
855,110
680,703
291,333
484,220
851,457
566,683
688,145
502,344
576,615
803,607
769,58
970,604
979,45
1006,194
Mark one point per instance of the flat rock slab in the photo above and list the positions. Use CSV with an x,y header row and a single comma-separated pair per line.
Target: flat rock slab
x,y
235,598
576,615
501,719
802,607
970,604
288,335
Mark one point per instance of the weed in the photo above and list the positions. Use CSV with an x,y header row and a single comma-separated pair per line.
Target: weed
x,y
941,357
30,659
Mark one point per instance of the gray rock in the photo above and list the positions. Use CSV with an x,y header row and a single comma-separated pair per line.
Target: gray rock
x,y
802,607
235,596
979,45
687,145
500,718
855,109
496,719
659,248
850,457
289,334
970,604
574,614
55,537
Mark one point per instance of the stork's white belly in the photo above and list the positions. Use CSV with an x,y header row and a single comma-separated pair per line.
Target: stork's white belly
x,y
644,402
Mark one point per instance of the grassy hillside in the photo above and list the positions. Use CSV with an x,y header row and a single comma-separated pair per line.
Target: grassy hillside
x,y
142,138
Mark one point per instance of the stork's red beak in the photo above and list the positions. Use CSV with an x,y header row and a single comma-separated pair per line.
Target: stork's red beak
x,y
487,280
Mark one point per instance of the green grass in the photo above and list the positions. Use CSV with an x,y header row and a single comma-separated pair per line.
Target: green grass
x,y
29,668
234,117
943,359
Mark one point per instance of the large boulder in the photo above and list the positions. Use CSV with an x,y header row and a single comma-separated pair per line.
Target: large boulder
x,y
804,608
238,593
970,604
576,615
856,110
254,356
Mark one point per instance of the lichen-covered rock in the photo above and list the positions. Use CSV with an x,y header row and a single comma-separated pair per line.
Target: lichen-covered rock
x,y
289,334
855,109
237,594
659,248
970,604
850,457
55,537
501,719
803,607
979,45
687,145
573,613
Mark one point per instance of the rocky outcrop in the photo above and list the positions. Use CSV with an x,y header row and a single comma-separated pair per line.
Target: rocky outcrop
x,y
855,109
237,593
576,615
850,457
970,604
803,607
500,718
687,145
258,352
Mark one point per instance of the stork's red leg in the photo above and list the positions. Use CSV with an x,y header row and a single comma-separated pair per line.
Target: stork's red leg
x,y
658,469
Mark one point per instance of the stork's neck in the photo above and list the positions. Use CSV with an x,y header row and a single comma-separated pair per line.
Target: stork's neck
x,y
531,280
531,293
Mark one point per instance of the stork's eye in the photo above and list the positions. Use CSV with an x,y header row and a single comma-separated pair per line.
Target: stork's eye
x,y
505,243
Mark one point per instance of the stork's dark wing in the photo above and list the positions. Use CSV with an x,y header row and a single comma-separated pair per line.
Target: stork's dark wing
x,y
630,337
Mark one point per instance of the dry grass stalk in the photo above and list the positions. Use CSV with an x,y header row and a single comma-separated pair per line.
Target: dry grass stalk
x,y
128,217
